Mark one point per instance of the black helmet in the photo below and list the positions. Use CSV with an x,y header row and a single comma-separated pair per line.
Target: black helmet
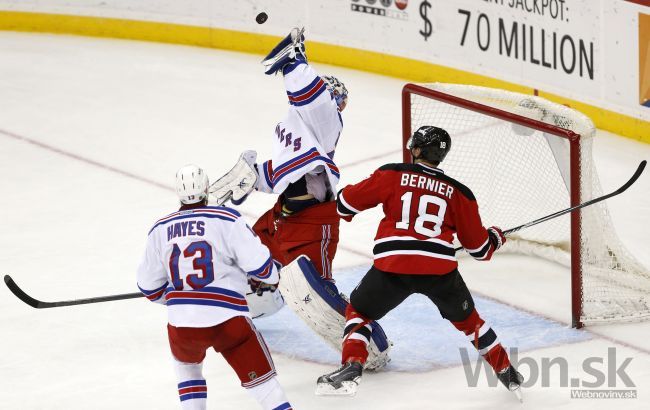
x,y
434,142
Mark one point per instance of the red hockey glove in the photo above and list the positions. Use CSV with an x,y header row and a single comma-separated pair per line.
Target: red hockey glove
x,y
497,238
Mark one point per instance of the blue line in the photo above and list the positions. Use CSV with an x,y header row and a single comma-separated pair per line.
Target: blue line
x,y
266,174
203,302
194,396
296,158
222,208
192,383
151,292
255,272
320,158
310,99
211,289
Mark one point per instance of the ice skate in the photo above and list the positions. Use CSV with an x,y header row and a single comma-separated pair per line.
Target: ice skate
x,y
512,379
341,382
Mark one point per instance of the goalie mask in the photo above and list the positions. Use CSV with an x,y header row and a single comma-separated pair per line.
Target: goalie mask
x,y
337,89
434,143
191,184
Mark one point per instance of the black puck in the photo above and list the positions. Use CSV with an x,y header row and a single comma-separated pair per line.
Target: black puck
x,y
261,18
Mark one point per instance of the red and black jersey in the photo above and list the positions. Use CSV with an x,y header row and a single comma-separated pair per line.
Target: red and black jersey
x,y
423,209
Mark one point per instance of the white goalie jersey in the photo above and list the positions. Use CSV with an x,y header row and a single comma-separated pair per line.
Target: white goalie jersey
x,y
305,140
197,262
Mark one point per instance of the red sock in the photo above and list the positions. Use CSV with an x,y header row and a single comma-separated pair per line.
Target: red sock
x,y
497,357
356,337
485,340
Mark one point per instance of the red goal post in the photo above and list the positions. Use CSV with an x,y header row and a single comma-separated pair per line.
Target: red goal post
x,y
500,117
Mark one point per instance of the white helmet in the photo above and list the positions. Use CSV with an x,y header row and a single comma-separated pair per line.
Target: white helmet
x,y
191,184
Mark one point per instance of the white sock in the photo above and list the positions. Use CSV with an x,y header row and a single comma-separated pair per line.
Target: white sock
x,y
270,395
192,388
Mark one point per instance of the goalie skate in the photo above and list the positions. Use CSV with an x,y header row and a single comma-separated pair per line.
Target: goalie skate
x,y
344,381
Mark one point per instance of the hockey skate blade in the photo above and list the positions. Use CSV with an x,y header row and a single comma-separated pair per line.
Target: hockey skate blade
x,y
348,388
517,392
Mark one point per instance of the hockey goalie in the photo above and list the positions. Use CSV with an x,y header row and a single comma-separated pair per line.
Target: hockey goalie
x,y
304,220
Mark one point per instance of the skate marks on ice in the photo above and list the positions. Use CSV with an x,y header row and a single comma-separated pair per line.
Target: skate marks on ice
x,y
424,341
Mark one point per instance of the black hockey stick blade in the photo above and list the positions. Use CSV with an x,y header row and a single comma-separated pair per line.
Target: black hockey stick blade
x,y
623,188
38,304
19,293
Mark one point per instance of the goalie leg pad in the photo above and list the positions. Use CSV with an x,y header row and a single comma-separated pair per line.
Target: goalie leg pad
x,y
320,305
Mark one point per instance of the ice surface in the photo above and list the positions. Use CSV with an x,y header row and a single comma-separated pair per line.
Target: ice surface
x,y
423,339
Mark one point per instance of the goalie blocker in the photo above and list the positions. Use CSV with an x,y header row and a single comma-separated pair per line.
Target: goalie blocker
x,y
320,305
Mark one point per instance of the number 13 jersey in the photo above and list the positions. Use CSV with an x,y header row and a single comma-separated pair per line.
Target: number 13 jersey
x,y
197,262
423,209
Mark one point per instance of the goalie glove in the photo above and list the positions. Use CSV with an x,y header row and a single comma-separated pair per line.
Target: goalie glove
x,y
237,183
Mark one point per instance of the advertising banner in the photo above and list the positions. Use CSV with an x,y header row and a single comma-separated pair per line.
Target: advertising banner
x,y
590,51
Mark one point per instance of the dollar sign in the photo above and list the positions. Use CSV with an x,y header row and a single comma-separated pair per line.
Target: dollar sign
x,y
428,28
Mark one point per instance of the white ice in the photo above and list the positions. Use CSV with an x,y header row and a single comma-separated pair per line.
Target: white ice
x,y
91,134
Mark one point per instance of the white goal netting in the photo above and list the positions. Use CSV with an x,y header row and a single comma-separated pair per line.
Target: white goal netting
x,y
519,174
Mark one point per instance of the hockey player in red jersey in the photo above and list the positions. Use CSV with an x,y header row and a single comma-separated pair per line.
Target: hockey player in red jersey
x,y
413,253
197,262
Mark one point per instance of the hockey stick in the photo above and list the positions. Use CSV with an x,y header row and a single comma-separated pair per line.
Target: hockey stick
x,y
38,304
637,174
35,303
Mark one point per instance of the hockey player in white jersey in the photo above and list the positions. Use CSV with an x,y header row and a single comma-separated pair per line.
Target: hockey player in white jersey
x,y
304,220
198,262
302,170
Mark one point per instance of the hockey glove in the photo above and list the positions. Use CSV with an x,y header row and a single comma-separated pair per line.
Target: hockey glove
x,y
496,236
259,287
240,181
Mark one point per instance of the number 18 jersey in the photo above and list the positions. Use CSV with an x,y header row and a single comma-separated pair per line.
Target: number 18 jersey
x,y
423,210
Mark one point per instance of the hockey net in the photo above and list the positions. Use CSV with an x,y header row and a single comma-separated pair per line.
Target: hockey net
x,y
525,157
